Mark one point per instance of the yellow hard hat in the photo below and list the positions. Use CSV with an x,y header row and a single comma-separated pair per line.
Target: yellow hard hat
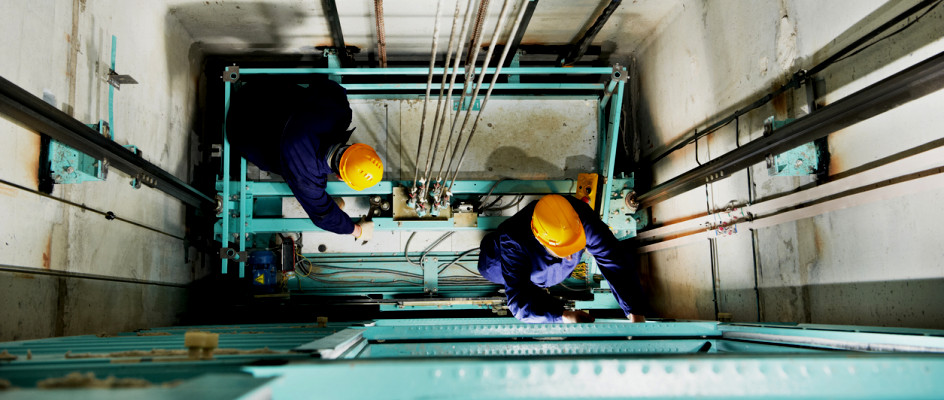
x,y
557,226
360,167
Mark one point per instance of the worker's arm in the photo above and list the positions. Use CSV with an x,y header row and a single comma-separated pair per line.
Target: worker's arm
x,y
306,172
526,301
321,208
617,265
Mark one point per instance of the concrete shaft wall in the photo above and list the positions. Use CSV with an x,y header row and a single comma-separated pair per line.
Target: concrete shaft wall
x,y
876,264
61,51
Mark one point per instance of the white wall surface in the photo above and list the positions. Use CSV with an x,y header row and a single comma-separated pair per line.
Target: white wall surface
x,y
876,264
62,49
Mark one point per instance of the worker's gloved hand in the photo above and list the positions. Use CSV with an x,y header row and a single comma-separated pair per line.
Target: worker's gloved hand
x,y
572,317
636,318
364,230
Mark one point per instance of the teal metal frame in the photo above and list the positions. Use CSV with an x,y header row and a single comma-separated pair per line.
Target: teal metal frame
x,y
495,358
246,209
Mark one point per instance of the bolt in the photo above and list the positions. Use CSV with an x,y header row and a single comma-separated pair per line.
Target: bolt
x,y
70,170
235,236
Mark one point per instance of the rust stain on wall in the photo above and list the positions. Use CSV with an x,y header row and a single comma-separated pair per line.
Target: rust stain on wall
x,y
47,255
30,157
780,106
8,191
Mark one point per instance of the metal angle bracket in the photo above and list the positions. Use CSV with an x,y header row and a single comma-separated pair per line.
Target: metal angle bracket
x,y
619,73
231,73
68,165
227,253
116,80
335,345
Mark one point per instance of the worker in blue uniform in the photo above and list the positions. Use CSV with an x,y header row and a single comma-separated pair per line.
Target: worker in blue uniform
x,y
301,134
541,245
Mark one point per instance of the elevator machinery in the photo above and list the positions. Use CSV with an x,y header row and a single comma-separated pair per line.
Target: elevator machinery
x,y
257,212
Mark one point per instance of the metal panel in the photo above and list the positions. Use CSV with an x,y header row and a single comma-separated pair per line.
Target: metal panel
x,y
424,71
602,328
335,345
808,335
830,376
540,348
381,224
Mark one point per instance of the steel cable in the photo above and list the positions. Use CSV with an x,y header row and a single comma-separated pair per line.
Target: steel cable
x,y
488,93
478,84
470,63
429,84
452,82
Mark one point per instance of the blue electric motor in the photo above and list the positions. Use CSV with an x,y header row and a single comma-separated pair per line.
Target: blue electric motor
x,y
264,275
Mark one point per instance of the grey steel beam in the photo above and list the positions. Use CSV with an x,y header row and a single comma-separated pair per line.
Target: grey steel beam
x,y
912,83
337,35
519,35
33,113
577,51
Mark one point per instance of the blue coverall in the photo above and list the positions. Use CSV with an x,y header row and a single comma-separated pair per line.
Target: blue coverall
x,y
513,257
289,130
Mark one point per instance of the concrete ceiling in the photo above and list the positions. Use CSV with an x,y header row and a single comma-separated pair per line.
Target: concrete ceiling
x,y
295,26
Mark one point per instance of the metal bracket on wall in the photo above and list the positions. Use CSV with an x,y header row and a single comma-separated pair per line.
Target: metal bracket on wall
x,y
231,73
624,218
68,165
116,80
806,159
227,253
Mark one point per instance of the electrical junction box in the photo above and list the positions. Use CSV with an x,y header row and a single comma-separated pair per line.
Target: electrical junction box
x,y
587,189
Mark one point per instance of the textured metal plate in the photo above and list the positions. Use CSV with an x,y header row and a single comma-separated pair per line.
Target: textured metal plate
x,y
538,348
708,376
602,328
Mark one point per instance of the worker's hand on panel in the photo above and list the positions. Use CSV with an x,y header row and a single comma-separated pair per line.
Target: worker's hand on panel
x,y
636,318
364,230
573,317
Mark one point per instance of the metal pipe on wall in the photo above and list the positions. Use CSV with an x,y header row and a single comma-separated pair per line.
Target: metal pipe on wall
x,y
35,114
912,83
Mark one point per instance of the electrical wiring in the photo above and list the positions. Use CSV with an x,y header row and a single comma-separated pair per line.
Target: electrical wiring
x,y
348,270
369,282
406,249
459,257
474,273
897,31
372,270
562,284
490,190
506,206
